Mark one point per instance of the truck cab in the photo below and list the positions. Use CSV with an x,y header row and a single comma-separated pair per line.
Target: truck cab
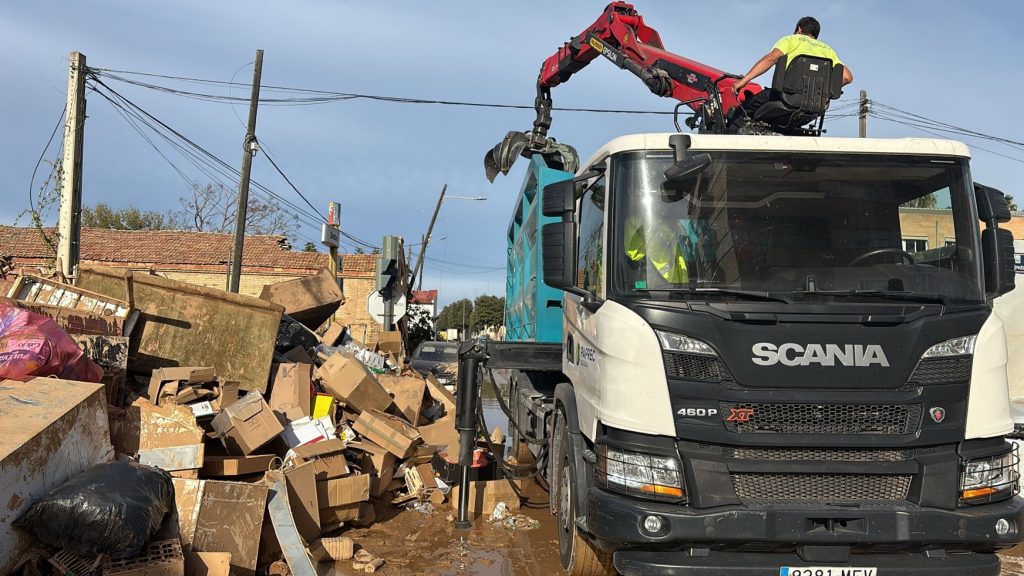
x,y
782,359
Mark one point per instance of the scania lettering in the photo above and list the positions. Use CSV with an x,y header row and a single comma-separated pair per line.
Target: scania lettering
x,y
789,354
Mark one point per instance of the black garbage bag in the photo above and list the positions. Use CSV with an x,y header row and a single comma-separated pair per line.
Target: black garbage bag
x,y
292,333
111,509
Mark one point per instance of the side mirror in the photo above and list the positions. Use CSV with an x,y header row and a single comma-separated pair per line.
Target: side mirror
x,y
680,174
992,204
559,198
558,245
997,250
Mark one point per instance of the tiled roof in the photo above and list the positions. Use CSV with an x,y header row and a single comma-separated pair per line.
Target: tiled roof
x,y
178,247
424,296
364,264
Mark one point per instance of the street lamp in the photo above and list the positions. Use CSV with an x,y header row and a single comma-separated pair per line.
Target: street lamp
x,y
418,271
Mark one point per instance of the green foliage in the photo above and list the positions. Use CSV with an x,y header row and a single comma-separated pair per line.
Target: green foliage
x,y
309,247
487,311
418,327
1013,205
458,314
103,216
926,201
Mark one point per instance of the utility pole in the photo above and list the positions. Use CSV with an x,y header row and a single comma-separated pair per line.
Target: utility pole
x,y
863,114
418,271
330,235
70,221
249,148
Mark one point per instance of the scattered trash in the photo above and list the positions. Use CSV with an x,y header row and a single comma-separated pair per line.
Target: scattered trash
x,y
33,345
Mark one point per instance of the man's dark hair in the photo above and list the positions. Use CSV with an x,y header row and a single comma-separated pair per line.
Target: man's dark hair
x,y
809,26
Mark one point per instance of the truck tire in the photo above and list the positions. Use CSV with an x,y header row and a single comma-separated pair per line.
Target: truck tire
x,y
579,557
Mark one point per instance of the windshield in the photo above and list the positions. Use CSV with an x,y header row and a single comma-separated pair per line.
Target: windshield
x,y
797,227
436,352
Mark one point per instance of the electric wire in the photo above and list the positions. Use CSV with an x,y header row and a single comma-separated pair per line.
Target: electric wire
x,y
32,181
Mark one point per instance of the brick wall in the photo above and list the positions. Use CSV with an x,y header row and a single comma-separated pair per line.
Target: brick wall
x,y
935,226
353,313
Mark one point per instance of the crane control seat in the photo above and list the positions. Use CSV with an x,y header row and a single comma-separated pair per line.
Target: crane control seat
x,y
800,94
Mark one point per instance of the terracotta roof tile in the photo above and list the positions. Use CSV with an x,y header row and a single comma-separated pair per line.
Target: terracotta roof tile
x,y
358,264
424,296
179,247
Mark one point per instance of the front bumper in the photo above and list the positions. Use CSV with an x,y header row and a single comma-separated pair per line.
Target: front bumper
x,y
728,531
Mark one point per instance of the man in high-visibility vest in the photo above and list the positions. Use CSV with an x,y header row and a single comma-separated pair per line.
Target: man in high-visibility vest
x,y
659,245
803,41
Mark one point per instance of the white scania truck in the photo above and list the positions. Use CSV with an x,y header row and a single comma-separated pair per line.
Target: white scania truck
x,y
781,358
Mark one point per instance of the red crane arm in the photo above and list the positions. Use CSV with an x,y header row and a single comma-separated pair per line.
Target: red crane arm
x,y
621,36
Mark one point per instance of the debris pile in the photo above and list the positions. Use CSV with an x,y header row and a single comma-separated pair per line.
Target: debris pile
x,y
275,432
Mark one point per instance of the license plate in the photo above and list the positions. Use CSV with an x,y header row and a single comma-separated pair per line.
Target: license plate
x,y
827,571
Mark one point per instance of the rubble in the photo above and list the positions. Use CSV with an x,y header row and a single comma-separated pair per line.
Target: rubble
x,y
279,440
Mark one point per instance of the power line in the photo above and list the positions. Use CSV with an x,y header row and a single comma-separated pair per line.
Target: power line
x,y
32,181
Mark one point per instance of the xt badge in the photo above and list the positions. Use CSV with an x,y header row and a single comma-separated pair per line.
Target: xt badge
x,y
740,415
937,413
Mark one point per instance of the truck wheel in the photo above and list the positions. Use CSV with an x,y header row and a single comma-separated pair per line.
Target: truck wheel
x,y
579,557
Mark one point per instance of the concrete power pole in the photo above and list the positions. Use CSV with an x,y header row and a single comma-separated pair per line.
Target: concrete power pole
x,y
69,225
863,114
418,270
249,148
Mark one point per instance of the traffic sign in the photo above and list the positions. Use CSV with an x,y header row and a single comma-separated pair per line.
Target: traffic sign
x,y
375,307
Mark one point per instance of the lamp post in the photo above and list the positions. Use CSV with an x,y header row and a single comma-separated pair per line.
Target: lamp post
x,y
418,270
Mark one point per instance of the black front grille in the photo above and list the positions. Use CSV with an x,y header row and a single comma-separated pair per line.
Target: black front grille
x,y
757,418
695,367
819,454
825,488
942,370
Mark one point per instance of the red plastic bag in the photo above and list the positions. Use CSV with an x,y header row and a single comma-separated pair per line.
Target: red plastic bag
x,y
33,345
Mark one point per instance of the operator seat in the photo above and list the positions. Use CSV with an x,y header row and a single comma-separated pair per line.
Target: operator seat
x,y
800,94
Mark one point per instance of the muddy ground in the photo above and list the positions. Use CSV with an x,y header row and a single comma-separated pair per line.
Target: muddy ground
x,y
414,543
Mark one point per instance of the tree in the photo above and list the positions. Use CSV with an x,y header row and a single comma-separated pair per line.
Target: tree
x,y
1013,205
103,216
458,314
309,247
418,326
212,208
926,201
488,311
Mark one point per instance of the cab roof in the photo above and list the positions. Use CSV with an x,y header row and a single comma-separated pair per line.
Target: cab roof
x,y
710,142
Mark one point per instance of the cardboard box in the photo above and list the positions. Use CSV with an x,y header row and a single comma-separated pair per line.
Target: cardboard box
x,y
247,424
390,432
332,549
161,377
409,393
348,380
291,391
219,516
310,300
342,491
333,334
207,564
330,466
163,436
441,394
389,343
378,462
50,431
323,405
441,433
222,465
321,448
302,496
359,514
484,495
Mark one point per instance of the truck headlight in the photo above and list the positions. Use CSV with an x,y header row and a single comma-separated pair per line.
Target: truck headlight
x,y
962,346
984,480
679,343
645,475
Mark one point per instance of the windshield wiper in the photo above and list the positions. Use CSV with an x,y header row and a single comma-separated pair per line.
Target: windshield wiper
x,y
892,295
750,294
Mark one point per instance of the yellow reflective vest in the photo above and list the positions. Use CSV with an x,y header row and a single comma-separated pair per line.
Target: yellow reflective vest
x,y
660,245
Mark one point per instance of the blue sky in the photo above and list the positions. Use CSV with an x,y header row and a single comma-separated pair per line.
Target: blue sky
x,y
387,162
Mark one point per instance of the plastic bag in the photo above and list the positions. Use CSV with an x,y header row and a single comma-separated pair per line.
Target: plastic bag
x,y
33,345
112,509
292,333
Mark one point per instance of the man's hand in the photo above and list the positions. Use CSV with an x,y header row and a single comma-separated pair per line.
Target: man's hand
x,y
737,86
